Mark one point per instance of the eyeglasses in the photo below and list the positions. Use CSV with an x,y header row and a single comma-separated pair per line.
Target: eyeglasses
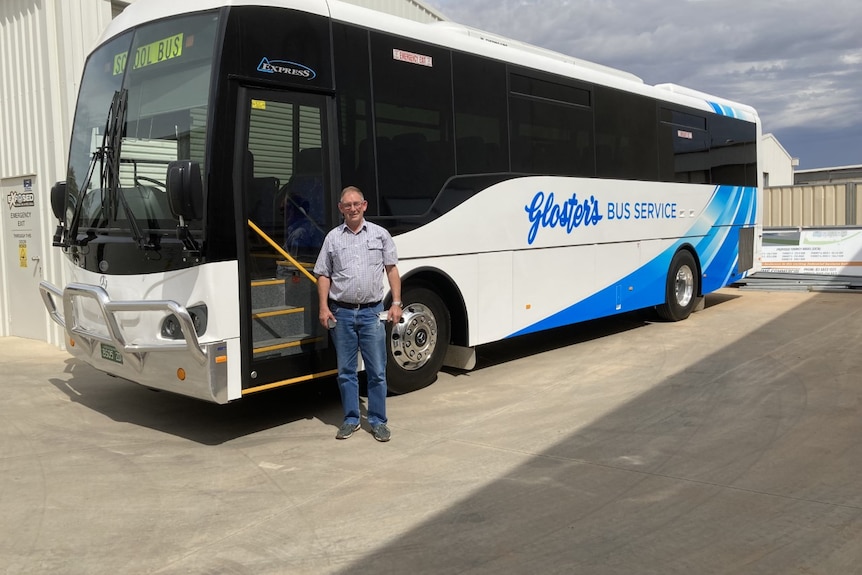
x,y
352,205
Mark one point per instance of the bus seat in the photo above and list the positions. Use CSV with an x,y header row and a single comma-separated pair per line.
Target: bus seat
x,y
303,204
260,195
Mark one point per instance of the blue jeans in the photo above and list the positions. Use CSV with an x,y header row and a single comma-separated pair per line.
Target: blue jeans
x,y
360,330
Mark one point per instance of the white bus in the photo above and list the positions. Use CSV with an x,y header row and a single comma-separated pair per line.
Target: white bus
x,y
525,190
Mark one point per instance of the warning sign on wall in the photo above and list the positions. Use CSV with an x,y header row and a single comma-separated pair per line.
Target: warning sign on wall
x,y
22,265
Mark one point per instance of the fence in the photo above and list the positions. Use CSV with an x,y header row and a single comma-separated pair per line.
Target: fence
x,y
812,205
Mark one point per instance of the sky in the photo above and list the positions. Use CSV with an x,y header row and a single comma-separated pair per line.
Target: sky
x,y
798,62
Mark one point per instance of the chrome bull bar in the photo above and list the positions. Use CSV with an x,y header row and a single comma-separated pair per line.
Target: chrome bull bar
x,y
136,351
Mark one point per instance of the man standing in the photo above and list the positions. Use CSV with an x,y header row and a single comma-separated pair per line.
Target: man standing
x,y
350,270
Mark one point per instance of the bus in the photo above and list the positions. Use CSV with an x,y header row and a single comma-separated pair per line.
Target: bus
x,y
525,190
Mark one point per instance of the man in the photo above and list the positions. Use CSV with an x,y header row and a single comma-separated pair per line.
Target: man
x,y
350,270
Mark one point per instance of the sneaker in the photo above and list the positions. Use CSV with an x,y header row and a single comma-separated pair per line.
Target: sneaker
x,y
381,432
346,430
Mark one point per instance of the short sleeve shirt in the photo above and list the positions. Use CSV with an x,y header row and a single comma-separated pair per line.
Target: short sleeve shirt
x,y
354,262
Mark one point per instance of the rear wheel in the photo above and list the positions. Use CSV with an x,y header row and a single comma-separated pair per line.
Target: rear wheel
x,y
417,345
681,288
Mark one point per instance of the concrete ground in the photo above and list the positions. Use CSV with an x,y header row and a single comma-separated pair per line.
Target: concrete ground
x,y
728,443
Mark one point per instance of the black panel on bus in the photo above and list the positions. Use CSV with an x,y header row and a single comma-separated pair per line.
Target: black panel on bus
x,y
626,132
550,124
274,45
702,148
412,122
733,151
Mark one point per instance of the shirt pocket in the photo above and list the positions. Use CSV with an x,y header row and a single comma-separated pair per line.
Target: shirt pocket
x,y
375,251
341,258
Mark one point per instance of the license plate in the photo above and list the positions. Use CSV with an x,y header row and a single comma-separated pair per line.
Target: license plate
x,y
111,353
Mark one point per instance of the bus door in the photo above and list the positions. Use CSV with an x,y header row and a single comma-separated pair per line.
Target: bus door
x,y
286,186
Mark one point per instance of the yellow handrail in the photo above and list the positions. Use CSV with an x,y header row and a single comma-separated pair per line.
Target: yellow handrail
x,y
280,250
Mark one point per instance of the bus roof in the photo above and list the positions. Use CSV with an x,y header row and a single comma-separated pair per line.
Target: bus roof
x,y
450,35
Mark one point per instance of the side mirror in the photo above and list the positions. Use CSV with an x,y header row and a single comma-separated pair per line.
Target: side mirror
x,y
185,189
58,201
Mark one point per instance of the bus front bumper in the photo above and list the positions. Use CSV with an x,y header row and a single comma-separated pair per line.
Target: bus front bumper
x,y
186,366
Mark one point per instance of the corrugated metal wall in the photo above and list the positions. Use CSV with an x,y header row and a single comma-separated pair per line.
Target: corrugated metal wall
x,y
812,205
42,48
272,139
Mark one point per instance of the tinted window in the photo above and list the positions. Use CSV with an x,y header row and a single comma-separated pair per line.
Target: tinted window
x,y
684,155
733,151
626,135
550,139
413,123
480,115
683,148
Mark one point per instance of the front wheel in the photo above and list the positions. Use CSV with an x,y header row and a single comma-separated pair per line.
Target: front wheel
x,y
681,288
417,345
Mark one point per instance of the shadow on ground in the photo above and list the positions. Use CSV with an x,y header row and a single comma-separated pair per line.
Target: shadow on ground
x,y
197,420
745,462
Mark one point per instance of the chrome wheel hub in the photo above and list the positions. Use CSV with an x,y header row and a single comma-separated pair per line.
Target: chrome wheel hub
x,y
684,286
414,339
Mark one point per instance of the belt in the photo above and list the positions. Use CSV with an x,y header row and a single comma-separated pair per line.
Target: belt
x,y
346,305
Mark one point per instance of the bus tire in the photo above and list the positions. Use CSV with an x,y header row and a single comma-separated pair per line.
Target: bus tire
x,y
416,346
680,289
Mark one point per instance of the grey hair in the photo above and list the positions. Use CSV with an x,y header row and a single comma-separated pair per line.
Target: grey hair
x,y
350,189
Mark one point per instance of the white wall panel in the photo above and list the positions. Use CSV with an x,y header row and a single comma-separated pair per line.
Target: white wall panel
x,y
777,163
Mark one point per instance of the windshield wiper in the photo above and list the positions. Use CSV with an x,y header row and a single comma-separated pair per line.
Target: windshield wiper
x,y
109,156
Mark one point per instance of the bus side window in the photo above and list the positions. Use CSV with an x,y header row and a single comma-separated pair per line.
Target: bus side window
x,y
733,151
413,108
626,135
481,130
683,147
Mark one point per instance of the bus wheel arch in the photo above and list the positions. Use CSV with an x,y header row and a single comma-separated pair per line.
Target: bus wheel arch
x,y
682,287
417,346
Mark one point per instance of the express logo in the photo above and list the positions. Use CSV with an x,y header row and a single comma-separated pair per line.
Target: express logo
x,y
268,66
21,199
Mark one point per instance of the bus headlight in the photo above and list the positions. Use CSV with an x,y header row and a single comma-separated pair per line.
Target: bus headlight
x,y
171,325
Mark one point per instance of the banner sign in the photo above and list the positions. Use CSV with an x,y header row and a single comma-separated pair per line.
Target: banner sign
x,y
823,251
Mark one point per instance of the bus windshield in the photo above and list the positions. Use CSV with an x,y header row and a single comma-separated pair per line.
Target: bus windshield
x,y
143,103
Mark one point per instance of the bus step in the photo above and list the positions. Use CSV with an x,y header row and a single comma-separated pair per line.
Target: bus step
x,y
275,311
287,345
278,322
267,293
